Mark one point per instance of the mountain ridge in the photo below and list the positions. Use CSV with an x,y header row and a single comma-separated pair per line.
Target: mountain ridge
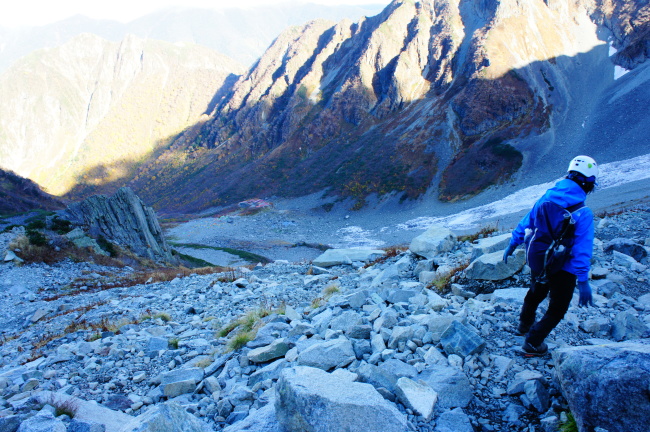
x,y
424,96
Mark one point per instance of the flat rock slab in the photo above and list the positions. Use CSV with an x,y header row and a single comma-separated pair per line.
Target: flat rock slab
x,y
328,355
492,267
311,400
89,411
333,257
434,241
167,417
607,385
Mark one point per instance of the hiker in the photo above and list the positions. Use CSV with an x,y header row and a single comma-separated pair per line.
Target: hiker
x,y
558,284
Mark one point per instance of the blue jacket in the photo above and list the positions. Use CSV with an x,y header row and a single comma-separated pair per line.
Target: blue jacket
x,y
567,193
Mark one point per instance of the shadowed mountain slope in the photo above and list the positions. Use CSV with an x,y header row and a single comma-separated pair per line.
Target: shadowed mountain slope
x,y
447,96
18,194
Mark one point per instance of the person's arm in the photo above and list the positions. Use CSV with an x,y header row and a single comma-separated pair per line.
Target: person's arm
x,y
583,245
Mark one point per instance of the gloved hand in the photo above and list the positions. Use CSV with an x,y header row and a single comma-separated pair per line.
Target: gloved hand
x,y
509,250
586,298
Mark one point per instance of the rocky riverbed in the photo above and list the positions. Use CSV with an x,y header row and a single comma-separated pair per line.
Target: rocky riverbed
x,y
370,344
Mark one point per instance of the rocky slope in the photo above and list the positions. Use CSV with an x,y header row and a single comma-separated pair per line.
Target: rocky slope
x,y
444,96
408,356
92,109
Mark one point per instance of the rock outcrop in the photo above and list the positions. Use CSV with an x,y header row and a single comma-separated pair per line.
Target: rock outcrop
x,y
607,385
124,220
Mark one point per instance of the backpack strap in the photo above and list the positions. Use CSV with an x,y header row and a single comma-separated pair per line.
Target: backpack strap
x,y
575,207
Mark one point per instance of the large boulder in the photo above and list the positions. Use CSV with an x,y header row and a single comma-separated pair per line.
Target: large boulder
x,y
124,220
461,340
627,247
167,417
434,241
451,384
492,267
328,355
311,400
489,245
333,257
607,385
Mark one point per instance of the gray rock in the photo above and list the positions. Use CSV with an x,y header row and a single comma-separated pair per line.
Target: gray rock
x,y
156,344
626,326
211,385
517,385
42,423
514,296
10,423
180,381
311,400
536,396
627,247
88,411
459,339
124,220
489,245
333,257
400,334
606,287
460,291
607,385
262,420
378,377
345,321
451,384
328,355
270,352
85,426
492,267
167,417
401,295
399,368
418,396
454,421
434,241
598,326
270,371
362,331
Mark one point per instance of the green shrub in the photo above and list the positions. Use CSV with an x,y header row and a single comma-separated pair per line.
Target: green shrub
x,y
173,342
36,238
61,226
107,246
570,425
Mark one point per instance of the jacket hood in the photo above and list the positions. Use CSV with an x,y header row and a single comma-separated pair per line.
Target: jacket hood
x,y
566,193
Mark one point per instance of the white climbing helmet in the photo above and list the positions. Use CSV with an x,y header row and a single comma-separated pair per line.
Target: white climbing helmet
x,y
584,165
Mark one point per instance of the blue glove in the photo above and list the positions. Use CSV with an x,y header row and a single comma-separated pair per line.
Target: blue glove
x,y
509,250
585,294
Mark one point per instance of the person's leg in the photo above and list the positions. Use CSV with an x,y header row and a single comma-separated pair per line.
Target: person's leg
x,y
561,286
535,295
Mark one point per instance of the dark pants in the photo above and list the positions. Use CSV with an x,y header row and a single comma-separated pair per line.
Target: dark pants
x,y
560,291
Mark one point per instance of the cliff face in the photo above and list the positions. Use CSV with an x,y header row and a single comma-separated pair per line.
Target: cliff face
x,y
124,220
90,109
449,94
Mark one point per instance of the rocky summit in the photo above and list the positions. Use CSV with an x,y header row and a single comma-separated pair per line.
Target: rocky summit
x,y
403,340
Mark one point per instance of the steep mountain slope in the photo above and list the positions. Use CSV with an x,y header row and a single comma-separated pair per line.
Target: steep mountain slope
x,y
450,96
242,34
97,104
18,194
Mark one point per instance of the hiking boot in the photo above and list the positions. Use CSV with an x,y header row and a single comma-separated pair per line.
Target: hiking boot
x,y
535,350
522,330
